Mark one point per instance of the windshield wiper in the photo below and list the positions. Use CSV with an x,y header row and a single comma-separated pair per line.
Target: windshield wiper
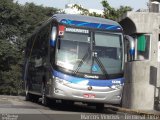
x,y
101,66
81,62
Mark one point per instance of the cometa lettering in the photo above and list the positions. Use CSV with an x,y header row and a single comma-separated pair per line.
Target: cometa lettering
x,y
89,76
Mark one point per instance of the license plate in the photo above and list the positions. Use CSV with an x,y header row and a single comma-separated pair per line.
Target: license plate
x,y
89,95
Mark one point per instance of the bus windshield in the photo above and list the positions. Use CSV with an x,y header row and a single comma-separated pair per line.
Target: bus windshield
x,y
98,55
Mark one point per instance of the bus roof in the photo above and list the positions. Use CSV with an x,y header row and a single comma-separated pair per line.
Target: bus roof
x,y
87,21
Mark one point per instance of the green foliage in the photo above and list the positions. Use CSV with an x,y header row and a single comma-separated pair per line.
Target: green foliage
x,y
35,15
11,81
8,55
109,12
80,8
86,11
112,13
17,22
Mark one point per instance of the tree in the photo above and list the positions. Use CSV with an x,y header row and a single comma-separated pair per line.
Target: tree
x,y
155,0
109,12
17,22
112,13
85,11
35,15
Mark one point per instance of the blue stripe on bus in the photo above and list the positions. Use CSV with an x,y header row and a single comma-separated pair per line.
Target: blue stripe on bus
x,y
83,24
111,27
89,82
90,25
99,26
52,42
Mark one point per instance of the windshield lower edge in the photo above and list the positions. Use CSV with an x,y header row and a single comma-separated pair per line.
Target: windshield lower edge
x,y
84,75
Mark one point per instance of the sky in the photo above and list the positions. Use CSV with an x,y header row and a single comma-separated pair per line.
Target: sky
x,y
94,4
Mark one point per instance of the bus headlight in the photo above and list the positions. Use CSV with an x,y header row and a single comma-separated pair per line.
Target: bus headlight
x,y
61,81
118,86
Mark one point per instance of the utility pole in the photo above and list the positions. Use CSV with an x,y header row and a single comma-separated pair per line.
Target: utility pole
x,y
153,6
154,0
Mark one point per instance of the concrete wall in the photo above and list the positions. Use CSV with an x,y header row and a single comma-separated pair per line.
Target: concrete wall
x,y
138,90
139,22
142,77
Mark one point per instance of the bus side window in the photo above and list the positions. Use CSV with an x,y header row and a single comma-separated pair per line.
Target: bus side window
x,y
30,53
41,45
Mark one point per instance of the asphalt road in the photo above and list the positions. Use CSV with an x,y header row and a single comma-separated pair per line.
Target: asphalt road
x,y
16,108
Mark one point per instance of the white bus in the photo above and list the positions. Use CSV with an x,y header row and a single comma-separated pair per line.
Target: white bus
x,y
75,58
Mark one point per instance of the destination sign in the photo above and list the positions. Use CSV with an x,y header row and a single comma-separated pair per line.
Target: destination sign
x,y
77,30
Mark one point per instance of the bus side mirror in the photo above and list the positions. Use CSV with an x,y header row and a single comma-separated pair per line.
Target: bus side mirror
x,y
59,42
131,50
53,36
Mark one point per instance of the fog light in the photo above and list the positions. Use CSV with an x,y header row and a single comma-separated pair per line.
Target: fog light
x,y
116,86
61,81
58,91
118,96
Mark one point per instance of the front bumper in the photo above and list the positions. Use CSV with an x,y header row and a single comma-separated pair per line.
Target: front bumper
x,y
81,93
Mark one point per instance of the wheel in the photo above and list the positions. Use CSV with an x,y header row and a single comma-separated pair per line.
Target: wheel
x,y
44,98
45,101
35,98
28,95
100,107
67,102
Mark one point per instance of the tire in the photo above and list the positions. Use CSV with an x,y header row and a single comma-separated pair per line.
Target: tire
x,y
67,103
44,98
28,95
100,107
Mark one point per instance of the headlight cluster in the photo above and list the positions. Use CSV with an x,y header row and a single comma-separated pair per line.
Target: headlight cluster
x,y
61,81
117,86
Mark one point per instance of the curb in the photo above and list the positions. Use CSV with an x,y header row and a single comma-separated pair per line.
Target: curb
x,y
133,111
